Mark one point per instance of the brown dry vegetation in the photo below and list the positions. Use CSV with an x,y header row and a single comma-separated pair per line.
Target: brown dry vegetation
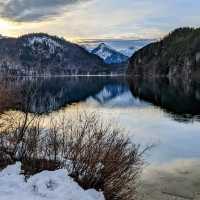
x,y
96,155
102,158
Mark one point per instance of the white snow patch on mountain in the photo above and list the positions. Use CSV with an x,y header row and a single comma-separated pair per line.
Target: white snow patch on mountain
x,y
45,40
50,43
108,54
43,186
104,51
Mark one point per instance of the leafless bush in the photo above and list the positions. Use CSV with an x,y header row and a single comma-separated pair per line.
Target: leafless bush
x,y
96,155
101,157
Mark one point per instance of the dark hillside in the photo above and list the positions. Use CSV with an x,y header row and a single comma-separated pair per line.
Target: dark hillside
x,y
177,55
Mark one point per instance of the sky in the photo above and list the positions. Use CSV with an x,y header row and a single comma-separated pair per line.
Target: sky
x,y
97,19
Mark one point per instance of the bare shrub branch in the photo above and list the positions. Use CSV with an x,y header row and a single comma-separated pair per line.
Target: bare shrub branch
x,y
95,154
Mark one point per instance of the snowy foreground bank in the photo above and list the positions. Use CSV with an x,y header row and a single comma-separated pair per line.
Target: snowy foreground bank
x,y
45,185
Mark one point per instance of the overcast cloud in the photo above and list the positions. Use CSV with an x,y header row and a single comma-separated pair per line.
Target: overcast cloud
x,y
33,10
97,19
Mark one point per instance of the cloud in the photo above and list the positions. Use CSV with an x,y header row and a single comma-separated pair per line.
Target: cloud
x,y
33,10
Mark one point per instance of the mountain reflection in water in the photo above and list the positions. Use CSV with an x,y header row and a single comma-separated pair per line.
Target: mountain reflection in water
x,y
161,111
178,99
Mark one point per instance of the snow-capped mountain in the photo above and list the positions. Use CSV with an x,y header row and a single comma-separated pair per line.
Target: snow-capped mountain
x,y
42,54
109,55
125,46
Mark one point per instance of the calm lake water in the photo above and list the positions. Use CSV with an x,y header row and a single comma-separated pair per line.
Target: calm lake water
x,y
159,111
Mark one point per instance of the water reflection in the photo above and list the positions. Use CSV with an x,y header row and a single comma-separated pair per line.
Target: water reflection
x,y
181,100
178,99
150,110
49,94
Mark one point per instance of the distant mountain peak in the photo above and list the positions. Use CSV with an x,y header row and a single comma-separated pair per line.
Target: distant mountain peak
x,y
102,45
106,47
108,54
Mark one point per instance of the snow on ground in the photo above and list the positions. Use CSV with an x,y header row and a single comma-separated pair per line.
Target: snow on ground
x,y
56,185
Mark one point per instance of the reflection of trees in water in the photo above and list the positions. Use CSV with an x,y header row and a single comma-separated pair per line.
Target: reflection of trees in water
x,y
8,95
48,94
179,98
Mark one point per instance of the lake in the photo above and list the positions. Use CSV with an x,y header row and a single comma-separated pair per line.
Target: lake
x,y
156,111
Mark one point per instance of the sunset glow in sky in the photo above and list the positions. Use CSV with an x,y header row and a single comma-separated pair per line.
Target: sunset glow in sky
x,y
97,19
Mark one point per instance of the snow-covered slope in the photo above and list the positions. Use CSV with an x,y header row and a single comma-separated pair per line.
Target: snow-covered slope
x,y
108,54
129,51
55,185
51,44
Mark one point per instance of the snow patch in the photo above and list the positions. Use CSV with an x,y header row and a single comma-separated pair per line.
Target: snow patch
x,y
103,51
108,54
45,185
50,43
